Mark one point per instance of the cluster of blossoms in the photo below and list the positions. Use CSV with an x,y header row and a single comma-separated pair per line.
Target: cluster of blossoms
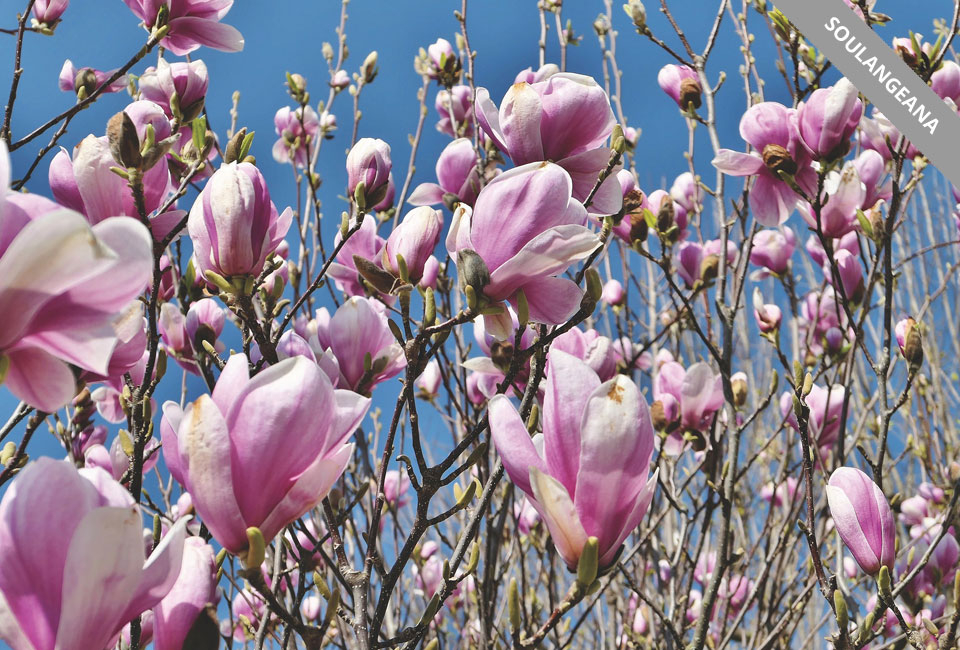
x,y
637,415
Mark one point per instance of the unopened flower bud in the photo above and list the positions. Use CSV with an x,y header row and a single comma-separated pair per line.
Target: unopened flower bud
x,y
124,142
739,385
637,13
690,92
369,68
472,271
86,80
709,268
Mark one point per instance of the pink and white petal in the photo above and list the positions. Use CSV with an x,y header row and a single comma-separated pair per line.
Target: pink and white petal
x,y
40,379
633,519
767,202
585,169
616,438
520,115
735,163
12,630
308,490
549,253
557,510
349,412
101,573
551,300
233,379
48,257
569,384
489,118
426,194
206,465
187,31
160,571
513,443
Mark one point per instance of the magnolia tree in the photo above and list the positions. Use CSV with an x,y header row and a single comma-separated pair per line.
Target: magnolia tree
x,y
531,403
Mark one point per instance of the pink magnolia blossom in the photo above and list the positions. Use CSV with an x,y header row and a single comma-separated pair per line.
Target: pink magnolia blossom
x,y
594,349
681,83
192,23
369,163
945,81
86,183
63,288
528,229
455,108
396,484
771,129
828,118
589,473
430,379
457,177
178,88
358,335
871,170
565,119
772,249
75,569
413,239
843,194
48,12
233,453
297,129
365,243
613,293
234,225
73,78
863,518
768,316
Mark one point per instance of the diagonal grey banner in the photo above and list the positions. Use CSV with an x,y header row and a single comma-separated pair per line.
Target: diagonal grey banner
x,y
881,76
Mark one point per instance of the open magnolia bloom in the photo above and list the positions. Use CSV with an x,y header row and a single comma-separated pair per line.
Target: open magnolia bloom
x,y
261,451
565,118
588,473
63,287
74,570
528,229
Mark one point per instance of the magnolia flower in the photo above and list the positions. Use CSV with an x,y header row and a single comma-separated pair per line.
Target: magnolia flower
x,y
365,243
768,316
843,194
455,108
565,119
75,570
457,178
681,83
613,292
413,239
233,452
594,349
773,248
178,88
828,118
72,79
63,288
360,339
369,163
588,474
772,131
527,228
297,129
191,23
863,518
48,12
86,183
233,224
